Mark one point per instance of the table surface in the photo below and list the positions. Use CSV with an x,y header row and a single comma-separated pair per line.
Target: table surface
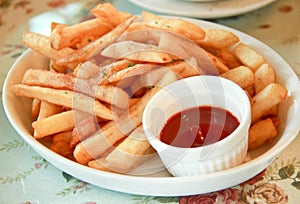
x,y
25,177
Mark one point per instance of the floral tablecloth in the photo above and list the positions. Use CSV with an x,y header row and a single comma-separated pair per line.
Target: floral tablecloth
x,y
25,177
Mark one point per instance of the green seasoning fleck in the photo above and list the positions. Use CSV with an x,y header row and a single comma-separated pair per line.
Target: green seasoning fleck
x,y
66,92
168,26
104,74
131,64
150,87
185,118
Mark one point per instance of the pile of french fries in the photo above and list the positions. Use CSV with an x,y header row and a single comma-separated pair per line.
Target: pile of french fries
x,y
91,111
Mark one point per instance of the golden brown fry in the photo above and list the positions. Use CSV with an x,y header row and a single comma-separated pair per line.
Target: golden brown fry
x,y
243,76
134,70
218,39
45,78
60,144
137,52
48,109
54,124
270,96
179,26
184,69
95,164
82,130
264,75
220,66
150,56
41,44
35,108
249,56
130,153
100,43
228,58
111,69
109,13
81,33
86,70
65,98
261,133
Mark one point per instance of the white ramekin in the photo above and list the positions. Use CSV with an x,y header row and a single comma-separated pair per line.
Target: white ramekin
x,y
199,91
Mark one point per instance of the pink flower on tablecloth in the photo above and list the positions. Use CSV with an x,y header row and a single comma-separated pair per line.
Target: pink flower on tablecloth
x,y
263,192
255,179
226,196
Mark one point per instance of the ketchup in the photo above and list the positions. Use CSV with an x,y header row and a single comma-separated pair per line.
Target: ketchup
x,y
198,126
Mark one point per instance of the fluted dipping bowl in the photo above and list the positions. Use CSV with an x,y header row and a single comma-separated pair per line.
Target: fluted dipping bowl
x,y
194,92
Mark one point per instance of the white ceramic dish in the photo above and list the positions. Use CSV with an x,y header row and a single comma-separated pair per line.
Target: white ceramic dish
x,y
205,10
192,92
18,113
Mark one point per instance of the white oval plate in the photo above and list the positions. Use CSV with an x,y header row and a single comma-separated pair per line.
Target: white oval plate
x,y
205,10
18,113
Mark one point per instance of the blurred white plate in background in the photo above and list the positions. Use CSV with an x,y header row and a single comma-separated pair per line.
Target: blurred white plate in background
x,y
206,10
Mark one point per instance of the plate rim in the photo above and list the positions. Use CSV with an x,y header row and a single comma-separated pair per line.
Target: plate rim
x,y
119,182
148,4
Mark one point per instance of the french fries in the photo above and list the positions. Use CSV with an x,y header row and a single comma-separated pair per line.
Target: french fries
x,y
103,71
65,98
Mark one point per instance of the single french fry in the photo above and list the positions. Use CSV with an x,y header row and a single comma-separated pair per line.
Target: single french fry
x,y
80,33
48,109
134,70
65,98
184,69
179,26
100,43
45,78
53,124
261,133
86,70
41,44
264,75
107,12
60,144
243,76
147,81
35,108
272,112
270,96
114,131
110,69
130,153
218,39
228,58
250,91
248,56
135,51
82,130
220,66
95,164
150,56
